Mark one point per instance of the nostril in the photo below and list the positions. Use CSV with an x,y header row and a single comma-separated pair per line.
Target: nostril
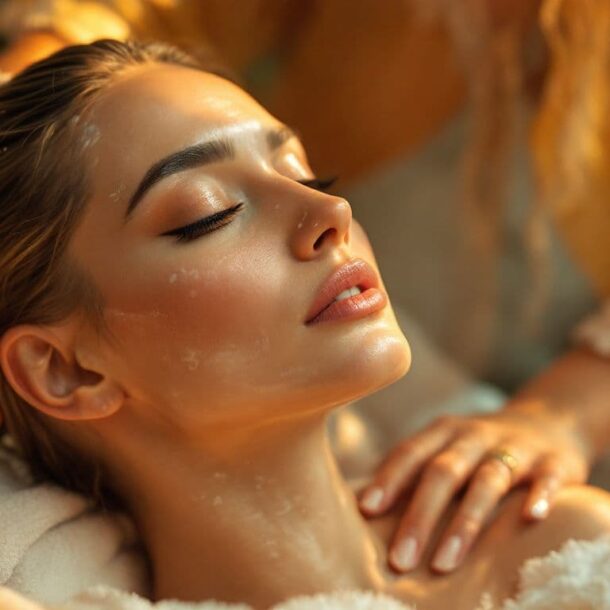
x,y
322,238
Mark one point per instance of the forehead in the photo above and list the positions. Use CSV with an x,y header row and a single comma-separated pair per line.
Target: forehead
x,y
170,91
154,110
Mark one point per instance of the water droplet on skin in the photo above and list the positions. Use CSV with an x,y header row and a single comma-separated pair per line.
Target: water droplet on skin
x,y
302,221
190,357
134,317
284,509
91,134
116,195
184,275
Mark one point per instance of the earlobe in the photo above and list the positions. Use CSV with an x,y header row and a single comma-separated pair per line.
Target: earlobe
x,y
41,367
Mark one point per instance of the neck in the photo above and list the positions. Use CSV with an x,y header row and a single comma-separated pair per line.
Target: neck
x,y
260,516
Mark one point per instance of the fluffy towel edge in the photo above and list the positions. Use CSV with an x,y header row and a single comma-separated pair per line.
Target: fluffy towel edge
x,y
106,598
575,577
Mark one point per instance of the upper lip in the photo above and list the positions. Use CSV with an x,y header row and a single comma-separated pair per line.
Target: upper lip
x,y
356,272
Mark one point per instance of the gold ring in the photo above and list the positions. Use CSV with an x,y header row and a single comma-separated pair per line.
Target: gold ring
x,y
504,456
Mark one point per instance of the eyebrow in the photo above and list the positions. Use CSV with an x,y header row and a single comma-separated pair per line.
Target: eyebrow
x,y
196,156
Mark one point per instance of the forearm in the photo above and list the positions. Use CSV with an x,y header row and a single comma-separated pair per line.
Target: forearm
x,y
575,391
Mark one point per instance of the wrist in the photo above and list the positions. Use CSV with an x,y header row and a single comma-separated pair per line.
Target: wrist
x,y
557,420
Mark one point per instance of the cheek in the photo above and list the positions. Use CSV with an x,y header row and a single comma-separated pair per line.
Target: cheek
x,y
215,323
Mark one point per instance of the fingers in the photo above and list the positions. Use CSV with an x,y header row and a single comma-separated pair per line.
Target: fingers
x,y
445,474
398,470
491,482
541,495
548,478
449,453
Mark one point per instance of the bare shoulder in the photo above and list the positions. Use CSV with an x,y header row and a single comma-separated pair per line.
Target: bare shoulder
x,y
580,512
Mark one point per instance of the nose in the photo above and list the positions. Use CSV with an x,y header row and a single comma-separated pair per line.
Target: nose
x,y
323,222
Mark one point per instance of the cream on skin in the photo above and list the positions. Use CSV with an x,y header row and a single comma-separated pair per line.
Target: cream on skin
x,y
209,406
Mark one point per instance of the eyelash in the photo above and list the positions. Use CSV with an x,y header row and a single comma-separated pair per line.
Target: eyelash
x,y
220,219
205,225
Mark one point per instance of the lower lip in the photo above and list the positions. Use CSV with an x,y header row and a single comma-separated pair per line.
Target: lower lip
x,y
354,307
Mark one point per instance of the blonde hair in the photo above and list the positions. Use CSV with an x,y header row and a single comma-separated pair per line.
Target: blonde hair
x,y
43,192
571,136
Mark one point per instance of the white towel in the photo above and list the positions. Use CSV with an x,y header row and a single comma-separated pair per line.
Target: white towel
x,y
577,577
53,546
103,598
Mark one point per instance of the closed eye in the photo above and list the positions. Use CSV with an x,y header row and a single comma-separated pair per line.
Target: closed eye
x,y
204,225
224,217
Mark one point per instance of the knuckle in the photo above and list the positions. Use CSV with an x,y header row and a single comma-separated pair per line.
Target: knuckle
x,y
470,524
494,475
396,456
478,428
387,474
551,467
396,465
406,447
445,468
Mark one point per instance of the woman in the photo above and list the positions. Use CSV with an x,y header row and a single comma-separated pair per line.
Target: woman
x,y
182,307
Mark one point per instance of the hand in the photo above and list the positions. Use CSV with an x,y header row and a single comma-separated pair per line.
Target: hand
x,y
487,454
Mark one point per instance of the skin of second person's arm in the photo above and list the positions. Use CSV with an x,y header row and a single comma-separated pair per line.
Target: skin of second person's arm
x,y
553,429
575,389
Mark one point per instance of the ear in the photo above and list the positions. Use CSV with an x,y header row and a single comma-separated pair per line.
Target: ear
x,y
41,366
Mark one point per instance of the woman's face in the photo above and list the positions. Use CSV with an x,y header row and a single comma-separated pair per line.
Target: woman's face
x,y
210,326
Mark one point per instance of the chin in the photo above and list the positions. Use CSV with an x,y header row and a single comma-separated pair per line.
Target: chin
x,y
386,359
376,358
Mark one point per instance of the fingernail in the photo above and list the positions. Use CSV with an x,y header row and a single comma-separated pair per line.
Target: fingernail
x,y
404,556
372,499
446,558
540,509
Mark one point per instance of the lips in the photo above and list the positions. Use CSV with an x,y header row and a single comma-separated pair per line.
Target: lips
x,y
356,272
